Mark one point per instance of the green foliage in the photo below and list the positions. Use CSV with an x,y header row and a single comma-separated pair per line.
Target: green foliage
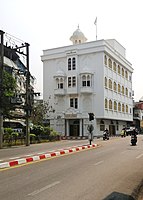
x,y
9,85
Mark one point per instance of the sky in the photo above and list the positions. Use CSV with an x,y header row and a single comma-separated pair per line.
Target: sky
x,y
46,24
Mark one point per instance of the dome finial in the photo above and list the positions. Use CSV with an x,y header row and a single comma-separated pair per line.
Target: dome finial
x,y
78,37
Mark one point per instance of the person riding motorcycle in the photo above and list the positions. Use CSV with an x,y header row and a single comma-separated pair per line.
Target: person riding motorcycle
x,y
134,137
106,134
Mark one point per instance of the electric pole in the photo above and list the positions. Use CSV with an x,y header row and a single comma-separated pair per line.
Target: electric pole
x,y
1,86
27,96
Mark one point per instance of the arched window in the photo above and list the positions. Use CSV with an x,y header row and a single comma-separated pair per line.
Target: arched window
x,y
126,108
123,90
110,84
83,81
127,92
88,81
115,105
110,63
119,71
105,60
110,104
69,64
123,108
122,71
106,103
119,107
114,66
115,86
60,83
73,63
119,88
105,82
126,74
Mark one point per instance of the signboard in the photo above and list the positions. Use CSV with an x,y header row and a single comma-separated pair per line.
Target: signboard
x,y
71,116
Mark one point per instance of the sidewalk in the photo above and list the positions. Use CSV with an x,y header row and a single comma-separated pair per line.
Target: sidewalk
x,y
43,155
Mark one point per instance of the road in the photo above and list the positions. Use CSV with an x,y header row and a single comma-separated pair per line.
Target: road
x,y
115,168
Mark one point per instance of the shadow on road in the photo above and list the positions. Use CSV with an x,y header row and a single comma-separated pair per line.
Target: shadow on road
x,y
118,196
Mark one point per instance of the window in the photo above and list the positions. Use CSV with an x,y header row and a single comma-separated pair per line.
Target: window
x,y
69,81
105,82
126,108
115,105
123,72
73,81
86,81
105,60
119,88
119,69
115,86
126,91
130,78
102,125
110,84
123,90
110,63
123,108
74,102
73,63
106,103
69,64
126,74
119,107
60,83
114,66
110,104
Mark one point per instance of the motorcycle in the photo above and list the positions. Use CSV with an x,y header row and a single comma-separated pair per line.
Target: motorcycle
x,y
133,140
105,136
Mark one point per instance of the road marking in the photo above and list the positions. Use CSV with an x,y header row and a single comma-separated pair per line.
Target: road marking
x,y
44,188
98,163
14,158
139,156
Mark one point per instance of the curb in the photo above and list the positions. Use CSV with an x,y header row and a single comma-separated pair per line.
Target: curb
x,y
44,156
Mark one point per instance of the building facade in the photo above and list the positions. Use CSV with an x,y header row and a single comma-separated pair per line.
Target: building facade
x,y
88,77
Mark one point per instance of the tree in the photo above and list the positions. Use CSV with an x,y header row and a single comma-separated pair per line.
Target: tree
x,y
9,86
39,111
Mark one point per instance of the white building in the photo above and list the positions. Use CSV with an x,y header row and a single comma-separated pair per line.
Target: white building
x,y
88,77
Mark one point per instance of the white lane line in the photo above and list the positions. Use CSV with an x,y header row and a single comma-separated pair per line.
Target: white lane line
x,y
14,158
139,156
98,163
44,188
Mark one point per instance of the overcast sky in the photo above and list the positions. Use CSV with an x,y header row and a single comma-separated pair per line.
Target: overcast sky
x,y
48,24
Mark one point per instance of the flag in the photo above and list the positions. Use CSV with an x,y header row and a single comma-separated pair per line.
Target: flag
x,y
95,22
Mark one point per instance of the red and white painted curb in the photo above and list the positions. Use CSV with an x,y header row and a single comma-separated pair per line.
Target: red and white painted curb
x,y
41,156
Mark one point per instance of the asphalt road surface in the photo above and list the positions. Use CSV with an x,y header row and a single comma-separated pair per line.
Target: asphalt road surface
x,y
112,171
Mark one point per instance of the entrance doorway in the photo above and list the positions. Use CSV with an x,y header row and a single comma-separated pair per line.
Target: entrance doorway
x,y
74,128
112,130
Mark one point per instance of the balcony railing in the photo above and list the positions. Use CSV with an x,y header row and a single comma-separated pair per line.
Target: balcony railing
x,y
86,90
59,91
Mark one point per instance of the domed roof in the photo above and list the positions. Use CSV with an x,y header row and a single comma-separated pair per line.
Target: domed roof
x,y
78,37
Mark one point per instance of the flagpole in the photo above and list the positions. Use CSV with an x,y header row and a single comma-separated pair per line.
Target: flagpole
x,y
96,30
96,26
